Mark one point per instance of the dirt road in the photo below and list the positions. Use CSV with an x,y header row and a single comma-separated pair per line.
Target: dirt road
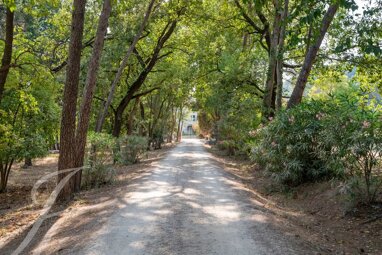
x,y
188,205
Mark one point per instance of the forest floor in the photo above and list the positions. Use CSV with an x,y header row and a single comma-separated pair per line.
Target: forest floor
x,y
314,213
18,213
317,211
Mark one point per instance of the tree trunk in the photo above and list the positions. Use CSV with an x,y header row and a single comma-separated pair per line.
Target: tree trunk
x,y
179,133
7,53
90,85
27,163
172,127
5,169
310,57
130,121
3,184
67,157
142,127
279,72
156,118
117,123
273,54
117,78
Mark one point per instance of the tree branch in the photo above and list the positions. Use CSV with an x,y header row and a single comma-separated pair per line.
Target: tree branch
x,y
139,57
248,19
145,92
165,55
104,101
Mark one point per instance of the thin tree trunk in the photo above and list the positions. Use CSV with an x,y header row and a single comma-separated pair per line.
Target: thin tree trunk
x,y
7,53
179,133
279,74
68,120
142,127
122,67
310,57
155,122
117,123
27,163
90,85
173,123
273,53
3,183
130,121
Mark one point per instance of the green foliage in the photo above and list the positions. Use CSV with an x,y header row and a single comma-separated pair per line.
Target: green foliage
x,y
100,147
28,116
99,160
353,133
288,146
132,148
240,119
230,146
214,57
337,137
157,138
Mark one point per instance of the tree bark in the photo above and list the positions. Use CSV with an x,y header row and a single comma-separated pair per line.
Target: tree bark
x,y
310,57
130,121
67,157
27,163
269,96
117,78
90,85
156,118
279,72
7,53
172,127
5,169
142,112
179,131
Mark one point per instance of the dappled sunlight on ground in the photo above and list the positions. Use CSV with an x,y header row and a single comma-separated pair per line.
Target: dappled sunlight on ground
x,y
186,205
181,203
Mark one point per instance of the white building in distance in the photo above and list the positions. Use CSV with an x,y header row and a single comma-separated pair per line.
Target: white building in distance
x,y
190,123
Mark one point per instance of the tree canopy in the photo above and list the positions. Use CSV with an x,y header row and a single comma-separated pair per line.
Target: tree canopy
x,y
134,67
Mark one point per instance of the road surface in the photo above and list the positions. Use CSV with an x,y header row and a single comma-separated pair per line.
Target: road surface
x,y
188,205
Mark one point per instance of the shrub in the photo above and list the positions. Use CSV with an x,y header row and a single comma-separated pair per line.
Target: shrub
x,y
338,137
99,160
234,124
354,135
229,146
287,146
157,139
359,191
97,175
132,148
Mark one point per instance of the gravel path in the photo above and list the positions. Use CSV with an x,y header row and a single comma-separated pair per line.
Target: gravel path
x,y
187,205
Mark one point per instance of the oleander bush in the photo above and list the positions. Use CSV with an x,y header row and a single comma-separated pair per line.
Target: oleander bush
x,y
354,135
287,147
339,137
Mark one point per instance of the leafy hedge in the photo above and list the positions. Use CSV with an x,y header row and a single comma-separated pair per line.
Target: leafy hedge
x,y
340,137
289,144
